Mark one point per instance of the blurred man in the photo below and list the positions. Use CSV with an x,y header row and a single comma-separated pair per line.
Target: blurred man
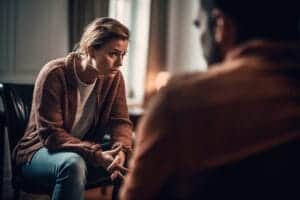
x,y
248,102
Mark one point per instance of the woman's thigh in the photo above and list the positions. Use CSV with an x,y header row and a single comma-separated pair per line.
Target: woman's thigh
x,y
45,167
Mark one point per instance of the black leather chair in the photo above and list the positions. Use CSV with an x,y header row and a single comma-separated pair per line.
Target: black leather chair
x,y
2,125
17,99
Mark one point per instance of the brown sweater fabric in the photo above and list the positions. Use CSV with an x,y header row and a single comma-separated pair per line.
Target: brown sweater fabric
x,y
54,108
245,105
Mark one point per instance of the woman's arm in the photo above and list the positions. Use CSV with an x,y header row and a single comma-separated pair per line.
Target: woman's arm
x,y
120,126
49,97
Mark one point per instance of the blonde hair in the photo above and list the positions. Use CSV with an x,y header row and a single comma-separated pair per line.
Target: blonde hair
x,y
101,31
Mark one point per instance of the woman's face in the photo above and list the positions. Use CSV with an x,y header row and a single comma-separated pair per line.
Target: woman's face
x,y
109,58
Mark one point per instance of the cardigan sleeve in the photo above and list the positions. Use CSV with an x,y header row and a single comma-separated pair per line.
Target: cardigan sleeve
x,y
48,100
120,126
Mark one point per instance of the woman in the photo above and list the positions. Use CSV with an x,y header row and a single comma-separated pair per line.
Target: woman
x,y
76,100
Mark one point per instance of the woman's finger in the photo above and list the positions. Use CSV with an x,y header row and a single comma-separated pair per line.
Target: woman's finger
x,y
123,169
113,164
116,167
116,174
115,151
120,168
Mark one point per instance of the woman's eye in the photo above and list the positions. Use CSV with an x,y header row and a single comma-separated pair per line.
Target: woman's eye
x,y
117,54
113,54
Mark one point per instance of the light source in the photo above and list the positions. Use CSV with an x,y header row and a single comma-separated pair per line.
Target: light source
x,y
161,79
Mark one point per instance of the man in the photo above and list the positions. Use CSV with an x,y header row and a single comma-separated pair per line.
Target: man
x,y
246,104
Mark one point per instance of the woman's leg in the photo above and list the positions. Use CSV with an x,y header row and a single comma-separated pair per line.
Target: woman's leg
x,y
65,172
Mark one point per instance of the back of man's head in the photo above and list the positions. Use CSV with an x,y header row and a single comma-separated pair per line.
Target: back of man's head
x,y
260,19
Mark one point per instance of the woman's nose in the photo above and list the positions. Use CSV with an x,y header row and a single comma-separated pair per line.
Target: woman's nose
x,y
119,61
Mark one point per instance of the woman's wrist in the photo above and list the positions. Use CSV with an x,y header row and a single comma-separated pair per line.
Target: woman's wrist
x,y
98,155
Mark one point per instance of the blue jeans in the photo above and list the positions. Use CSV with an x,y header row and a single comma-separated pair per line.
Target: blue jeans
x,y
62,172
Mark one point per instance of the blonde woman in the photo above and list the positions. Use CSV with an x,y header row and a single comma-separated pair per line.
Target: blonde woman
x,y
76,100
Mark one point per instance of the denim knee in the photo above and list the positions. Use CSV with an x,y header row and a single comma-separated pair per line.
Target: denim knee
x,y
73,167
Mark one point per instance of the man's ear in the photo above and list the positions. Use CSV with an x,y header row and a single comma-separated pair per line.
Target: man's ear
x,y
224,29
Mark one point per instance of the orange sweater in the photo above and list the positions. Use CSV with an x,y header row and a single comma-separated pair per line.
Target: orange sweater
x,y
245,105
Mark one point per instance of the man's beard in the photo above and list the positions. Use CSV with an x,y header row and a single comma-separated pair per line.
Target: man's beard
x,y
212,51
214,56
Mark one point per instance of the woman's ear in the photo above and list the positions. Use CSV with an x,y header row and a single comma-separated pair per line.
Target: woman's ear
x,y
224,29
90,52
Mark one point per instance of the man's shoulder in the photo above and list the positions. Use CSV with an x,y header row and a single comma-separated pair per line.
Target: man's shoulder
x,y
196,80
202,88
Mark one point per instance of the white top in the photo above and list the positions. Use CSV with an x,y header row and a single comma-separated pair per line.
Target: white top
x,y
86,106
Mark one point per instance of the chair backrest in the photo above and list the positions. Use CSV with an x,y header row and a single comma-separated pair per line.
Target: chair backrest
x,y
17,99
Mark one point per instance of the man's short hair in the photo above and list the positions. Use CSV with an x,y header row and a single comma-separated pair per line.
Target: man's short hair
x,y
261,19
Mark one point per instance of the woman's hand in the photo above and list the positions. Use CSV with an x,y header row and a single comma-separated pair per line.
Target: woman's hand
x,y
116,168
113,161
105,158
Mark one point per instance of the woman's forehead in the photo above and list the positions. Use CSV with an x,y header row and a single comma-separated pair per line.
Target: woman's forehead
x,y
117,44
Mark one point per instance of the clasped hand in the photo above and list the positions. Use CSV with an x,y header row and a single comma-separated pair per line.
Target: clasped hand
x,y
113,161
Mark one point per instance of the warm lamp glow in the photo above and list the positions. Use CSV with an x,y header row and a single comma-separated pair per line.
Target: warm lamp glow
x,y
161,79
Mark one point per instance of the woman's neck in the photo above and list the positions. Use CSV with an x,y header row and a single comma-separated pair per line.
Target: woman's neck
x,y
85,72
